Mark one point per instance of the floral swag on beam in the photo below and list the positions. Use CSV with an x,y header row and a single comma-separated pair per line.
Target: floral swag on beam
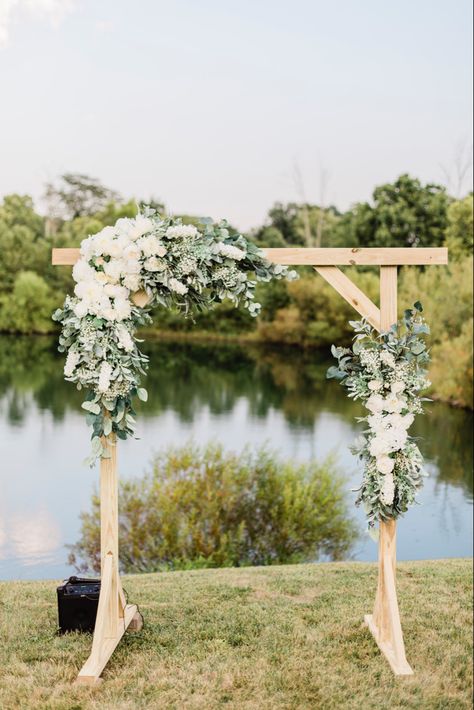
x,y
177,266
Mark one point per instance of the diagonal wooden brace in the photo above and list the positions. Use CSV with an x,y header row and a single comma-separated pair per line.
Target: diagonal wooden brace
x,y
351,293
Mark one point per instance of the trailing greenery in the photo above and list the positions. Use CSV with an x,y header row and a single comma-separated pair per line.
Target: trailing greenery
x,y
172,265
386,371
208,508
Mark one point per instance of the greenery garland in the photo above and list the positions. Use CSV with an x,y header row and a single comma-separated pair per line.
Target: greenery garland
x,y
386,371
178,266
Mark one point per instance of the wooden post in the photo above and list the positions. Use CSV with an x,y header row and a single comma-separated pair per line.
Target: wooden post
x,y
114,615
384,623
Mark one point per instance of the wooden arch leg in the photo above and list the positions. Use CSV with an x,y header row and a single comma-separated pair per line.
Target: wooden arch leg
x,y
114,615
384,623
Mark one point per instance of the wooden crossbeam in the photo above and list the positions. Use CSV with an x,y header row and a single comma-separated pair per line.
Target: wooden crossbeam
x,y
324,257
358,256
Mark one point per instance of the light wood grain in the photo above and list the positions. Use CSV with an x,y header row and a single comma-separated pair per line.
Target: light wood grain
x,y
357,256
351,293
322,257
388,296
384,624
114,615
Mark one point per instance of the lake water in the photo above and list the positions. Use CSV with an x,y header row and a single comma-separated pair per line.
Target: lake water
x,y
223,393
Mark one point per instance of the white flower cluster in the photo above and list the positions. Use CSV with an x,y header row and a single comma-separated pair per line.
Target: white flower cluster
x,y
110,266
230,252
388,430
177,265
390,416
385,371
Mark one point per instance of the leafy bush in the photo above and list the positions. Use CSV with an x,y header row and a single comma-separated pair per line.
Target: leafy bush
x,y
446,293
28,308
315,314
208,508
452,369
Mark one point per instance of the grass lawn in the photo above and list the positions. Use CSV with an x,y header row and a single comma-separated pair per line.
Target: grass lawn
x,y
267,637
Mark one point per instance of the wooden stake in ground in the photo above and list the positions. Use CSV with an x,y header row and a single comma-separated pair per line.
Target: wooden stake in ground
x,y
114,615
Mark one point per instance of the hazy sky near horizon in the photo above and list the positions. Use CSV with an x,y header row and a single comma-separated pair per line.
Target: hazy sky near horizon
x,y
210,104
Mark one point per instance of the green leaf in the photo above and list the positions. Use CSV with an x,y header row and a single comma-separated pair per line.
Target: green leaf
x,y
107,426
374,534
91,407
109,404
334,372
418,347
142,394
418,307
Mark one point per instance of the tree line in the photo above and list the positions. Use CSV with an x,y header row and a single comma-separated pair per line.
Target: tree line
x,y
305,313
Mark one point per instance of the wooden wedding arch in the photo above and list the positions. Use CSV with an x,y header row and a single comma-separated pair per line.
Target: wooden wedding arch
x,y
114,615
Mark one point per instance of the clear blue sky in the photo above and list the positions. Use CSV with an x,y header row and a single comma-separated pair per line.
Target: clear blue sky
x,y
208,104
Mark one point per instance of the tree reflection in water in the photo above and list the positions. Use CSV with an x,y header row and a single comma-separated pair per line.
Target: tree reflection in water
x,y
185,377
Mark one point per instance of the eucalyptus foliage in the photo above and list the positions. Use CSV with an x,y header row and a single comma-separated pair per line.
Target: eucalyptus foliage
x,y
178,266
386,371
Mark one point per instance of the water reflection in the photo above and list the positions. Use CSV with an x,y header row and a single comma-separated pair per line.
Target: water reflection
x,y
33,536
229,393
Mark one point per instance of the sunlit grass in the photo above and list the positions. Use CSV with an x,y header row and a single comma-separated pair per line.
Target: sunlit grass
x,y
268,638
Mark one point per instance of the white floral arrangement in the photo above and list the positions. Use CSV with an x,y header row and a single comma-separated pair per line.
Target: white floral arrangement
x,y
176,265
386,371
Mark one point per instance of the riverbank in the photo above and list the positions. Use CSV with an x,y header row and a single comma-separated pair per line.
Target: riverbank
x,y
253,638
254,338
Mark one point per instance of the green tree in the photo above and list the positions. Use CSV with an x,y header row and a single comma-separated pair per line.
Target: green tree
x,y
459,233
298,224
27,309
22,242
77,195
404,214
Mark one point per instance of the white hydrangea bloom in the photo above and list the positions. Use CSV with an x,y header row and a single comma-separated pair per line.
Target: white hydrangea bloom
x,y
388,489
89,290
140,225
132,282
122,309
114,269
149,245
116,291
124,338
375,403
72,361
393,403
182,231
230,252
178,287
387,358
385,464
81,271
104,376
154,264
